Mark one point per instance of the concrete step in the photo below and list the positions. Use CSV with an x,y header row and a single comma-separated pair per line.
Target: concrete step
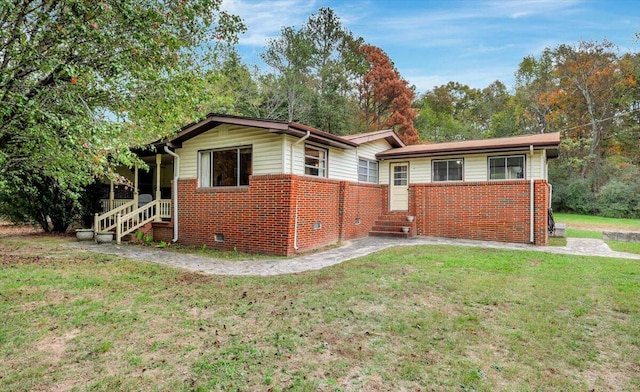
x,y
390,227
395,234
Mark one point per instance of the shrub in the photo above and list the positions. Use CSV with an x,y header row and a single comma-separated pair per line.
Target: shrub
x,y
619,200
575,197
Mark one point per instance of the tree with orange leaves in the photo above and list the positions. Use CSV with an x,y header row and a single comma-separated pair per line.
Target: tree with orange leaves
x,y
385,98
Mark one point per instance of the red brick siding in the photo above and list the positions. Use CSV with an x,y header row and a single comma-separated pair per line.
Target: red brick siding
x,y
363,201
254,219
495,211
317,200
261,218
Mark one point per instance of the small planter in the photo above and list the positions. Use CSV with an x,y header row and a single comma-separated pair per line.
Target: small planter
x,y
104,237
405,229
84,234
410,218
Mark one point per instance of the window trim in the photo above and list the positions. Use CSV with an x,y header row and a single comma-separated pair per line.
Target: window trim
x,y
433,172
325,173
369,162
230,148
506,157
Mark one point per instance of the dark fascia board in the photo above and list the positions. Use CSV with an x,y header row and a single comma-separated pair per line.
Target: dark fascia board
x,y
299,130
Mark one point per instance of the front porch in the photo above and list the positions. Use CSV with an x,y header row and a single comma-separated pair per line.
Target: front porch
x,y
144,197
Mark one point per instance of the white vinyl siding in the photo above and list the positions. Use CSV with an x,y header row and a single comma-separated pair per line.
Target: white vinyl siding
x,y
370,149
475,167
266,149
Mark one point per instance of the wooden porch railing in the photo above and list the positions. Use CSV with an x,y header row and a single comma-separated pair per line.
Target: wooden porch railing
x,y
125,219
108,205
107,221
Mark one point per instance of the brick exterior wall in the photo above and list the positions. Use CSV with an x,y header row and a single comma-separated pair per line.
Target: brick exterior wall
x,y
261,218
254,219
493,211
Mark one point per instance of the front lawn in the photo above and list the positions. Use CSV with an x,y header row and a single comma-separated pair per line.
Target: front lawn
x,y
430,318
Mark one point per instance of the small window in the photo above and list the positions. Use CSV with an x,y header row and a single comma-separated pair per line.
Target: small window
x,y
400,175
367,171
448,170
506,167
315,161
225,167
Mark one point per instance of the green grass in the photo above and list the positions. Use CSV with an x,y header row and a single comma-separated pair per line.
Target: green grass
x,y
436,318
628,247
582,233
591,222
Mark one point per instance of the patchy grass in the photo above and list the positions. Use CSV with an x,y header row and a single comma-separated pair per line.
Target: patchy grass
x,y
557,241
430,318
214,253
597,223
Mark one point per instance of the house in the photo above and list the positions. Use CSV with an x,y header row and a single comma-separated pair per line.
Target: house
x,y
281,188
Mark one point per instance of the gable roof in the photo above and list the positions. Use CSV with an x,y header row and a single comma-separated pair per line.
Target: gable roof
x,y
388,134
274,126
548,141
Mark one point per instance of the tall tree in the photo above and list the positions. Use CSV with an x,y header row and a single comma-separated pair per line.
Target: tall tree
x,y
316,67
73,77
291,56
385,98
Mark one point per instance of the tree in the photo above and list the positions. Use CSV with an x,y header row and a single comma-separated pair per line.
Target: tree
x,y
385,98
316,67
291,56
74,83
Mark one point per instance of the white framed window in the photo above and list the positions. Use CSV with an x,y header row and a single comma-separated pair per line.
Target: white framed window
x,y
225,167
315,161
448,170
367,171
511,167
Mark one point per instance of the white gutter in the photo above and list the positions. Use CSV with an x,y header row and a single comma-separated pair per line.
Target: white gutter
x,y
176,173
531,197
295,229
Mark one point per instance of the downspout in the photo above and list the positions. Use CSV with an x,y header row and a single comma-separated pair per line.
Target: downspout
x,y
531,196
176,173
295,227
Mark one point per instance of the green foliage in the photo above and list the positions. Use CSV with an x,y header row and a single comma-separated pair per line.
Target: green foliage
x,y
619,200
575,197
76,83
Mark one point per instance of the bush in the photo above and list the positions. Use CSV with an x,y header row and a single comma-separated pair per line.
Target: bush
x,y
619,200
575,197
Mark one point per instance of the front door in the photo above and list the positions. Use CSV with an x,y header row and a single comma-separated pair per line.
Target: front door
x,y
399,187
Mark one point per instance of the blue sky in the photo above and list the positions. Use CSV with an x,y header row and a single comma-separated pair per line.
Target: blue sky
x,y
473,42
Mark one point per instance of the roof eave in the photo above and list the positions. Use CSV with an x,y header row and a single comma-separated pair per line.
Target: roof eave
x,y
389,154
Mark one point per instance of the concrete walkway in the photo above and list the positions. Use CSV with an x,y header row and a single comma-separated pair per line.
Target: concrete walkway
x,y
314,261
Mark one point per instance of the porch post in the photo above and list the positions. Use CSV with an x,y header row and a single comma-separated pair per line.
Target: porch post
x,y
112,197
158,162
135,187
158,195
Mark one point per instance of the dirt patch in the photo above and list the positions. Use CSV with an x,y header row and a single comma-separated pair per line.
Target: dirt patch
x,y
53,347
10,230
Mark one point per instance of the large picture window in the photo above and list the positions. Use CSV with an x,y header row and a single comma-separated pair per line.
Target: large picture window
x,y
315,161
506,167
448,170
367,171
225,167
